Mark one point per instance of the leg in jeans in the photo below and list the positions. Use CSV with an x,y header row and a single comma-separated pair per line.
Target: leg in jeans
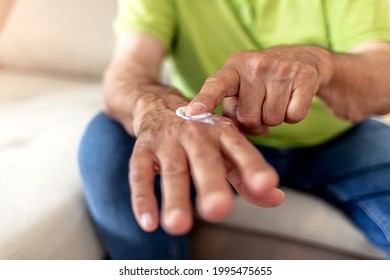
x,y
104,154
352,172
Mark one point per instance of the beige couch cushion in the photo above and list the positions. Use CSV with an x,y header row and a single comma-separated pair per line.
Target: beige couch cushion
x,y
305,219
73,35
43,213
29,105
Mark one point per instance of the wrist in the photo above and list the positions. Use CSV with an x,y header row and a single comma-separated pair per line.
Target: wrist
x,y
325,65
154,107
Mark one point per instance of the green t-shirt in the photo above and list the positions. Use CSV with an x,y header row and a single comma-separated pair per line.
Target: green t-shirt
x,y
201,34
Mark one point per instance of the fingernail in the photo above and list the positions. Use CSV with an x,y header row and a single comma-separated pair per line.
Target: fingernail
x,y
194,108
146,220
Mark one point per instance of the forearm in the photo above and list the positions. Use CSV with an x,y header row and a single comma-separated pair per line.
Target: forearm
x,y
130,96
358,85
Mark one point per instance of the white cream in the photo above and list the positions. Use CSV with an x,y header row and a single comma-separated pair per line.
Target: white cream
x,y
205,117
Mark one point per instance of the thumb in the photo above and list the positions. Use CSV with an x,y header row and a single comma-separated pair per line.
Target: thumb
x,y
223,83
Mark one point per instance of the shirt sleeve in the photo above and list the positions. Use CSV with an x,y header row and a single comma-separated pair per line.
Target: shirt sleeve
x,y
354,22
155,18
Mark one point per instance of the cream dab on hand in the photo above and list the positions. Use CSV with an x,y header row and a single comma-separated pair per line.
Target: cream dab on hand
x,y
205,117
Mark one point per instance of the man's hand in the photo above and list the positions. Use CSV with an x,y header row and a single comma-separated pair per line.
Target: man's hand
x,y
210,153
265,88
178,148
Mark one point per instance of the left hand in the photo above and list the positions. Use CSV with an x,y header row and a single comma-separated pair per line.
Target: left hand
x,y
265,88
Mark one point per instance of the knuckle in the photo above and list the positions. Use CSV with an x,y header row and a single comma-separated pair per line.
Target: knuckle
x,y
259,65
193,129
296,116
172,132
141,201
218,83
249,120
197,132
273,119
309,73
248,57
218,80
201,155
137,175
174,169
285,70
139,197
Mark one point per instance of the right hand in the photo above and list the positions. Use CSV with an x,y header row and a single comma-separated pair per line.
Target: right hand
x,y
177,149
265,88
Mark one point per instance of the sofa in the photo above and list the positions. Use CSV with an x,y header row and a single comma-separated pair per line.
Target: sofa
x,y
52,57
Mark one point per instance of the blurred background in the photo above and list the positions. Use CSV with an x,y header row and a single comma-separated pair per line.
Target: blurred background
x,y
52,57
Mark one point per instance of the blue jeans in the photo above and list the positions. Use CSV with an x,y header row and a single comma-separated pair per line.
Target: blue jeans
x,y
352,172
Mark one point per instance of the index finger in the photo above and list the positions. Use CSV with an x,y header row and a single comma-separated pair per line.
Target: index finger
x,y
225,82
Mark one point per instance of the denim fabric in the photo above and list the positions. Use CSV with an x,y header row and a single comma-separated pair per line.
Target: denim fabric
x,y
351,172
